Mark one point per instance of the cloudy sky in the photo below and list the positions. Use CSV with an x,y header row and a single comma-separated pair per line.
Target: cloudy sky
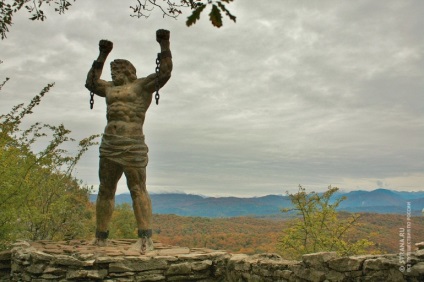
x,y
315,93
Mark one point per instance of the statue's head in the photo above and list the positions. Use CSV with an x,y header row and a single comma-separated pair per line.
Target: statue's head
x,y
122,71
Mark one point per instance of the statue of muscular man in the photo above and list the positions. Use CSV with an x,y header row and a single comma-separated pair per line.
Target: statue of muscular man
x,y
122,149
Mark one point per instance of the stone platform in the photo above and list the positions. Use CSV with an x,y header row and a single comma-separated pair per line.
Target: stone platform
x,y
78,260
84,249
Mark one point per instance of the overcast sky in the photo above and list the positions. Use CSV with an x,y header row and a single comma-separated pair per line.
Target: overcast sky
x,y
315,93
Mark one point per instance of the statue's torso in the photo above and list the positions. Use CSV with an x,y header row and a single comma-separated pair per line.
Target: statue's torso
x,y
126,109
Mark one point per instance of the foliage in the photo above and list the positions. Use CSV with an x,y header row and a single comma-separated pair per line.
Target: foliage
x,y
123,224
39,198
9,8
319,227
142,8
240,234
174,9
251,235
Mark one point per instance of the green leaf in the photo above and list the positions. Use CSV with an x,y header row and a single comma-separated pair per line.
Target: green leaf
x,y
215,16
195,15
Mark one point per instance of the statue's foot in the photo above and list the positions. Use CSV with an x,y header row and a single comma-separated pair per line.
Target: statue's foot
x,y
143,245
99,242
101,238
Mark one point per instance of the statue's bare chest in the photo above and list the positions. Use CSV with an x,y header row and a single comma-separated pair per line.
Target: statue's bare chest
x,y
125,94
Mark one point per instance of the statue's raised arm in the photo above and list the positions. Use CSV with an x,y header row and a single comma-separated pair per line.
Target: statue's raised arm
x,y
159,79
93,82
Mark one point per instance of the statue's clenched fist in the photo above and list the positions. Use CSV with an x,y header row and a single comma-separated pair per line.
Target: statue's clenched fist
x,y
105,46
162,34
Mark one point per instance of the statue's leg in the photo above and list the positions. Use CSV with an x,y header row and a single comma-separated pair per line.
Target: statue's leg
x,y
109,174
142,206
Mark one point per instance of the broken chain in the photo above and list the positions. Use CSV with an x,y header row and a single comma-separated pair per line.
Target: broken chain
x,y
157,96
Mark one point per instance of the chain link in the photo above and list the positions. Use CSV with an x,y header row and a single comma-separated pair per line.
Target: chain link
x,y
91,100
157,96
91,92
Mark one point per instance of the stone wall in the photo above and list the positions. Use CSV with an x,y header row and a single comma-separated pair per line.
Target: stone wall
x,y
46,261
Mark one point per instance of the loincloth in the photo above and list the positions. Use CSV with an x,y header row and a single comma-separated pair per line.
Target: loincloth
x,y
125,150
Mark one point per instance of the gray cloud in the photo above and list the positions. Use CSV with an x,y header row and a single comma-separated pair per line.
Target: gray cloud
x,y
293,93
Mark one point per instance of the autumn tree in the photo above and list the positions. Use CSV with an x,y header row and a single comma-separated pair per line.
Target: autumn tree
x,y
319,227
140,9
39,197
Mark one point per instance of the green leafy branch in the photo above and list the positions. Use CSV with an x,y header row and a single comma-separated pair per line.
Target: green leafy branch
x,y
8,10
39,198
141,8
15,141
318,226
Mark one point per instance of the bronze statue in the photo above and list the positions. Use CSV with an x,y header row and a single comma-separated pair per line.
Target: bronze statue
x,y
122,148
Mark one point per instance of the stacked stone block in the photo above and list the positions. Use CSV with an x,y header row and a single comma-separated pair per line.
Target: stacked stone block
x,y
79,261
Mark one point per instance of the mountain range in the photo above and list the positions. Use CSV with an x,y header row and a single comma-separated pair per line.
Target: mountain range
x,y
376,201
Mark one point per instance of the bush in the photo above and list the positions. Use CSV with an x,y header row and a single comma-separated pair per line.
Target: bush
x,y
319,228
39,198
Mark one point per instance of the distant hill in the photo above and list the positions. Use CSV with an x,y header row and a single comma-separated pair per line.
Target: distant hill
x,y
194,205
376,201
383,201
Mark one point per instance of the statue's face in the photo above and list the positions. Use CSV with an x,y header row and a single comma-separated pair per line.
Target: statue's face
x,y
121,74
118,76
